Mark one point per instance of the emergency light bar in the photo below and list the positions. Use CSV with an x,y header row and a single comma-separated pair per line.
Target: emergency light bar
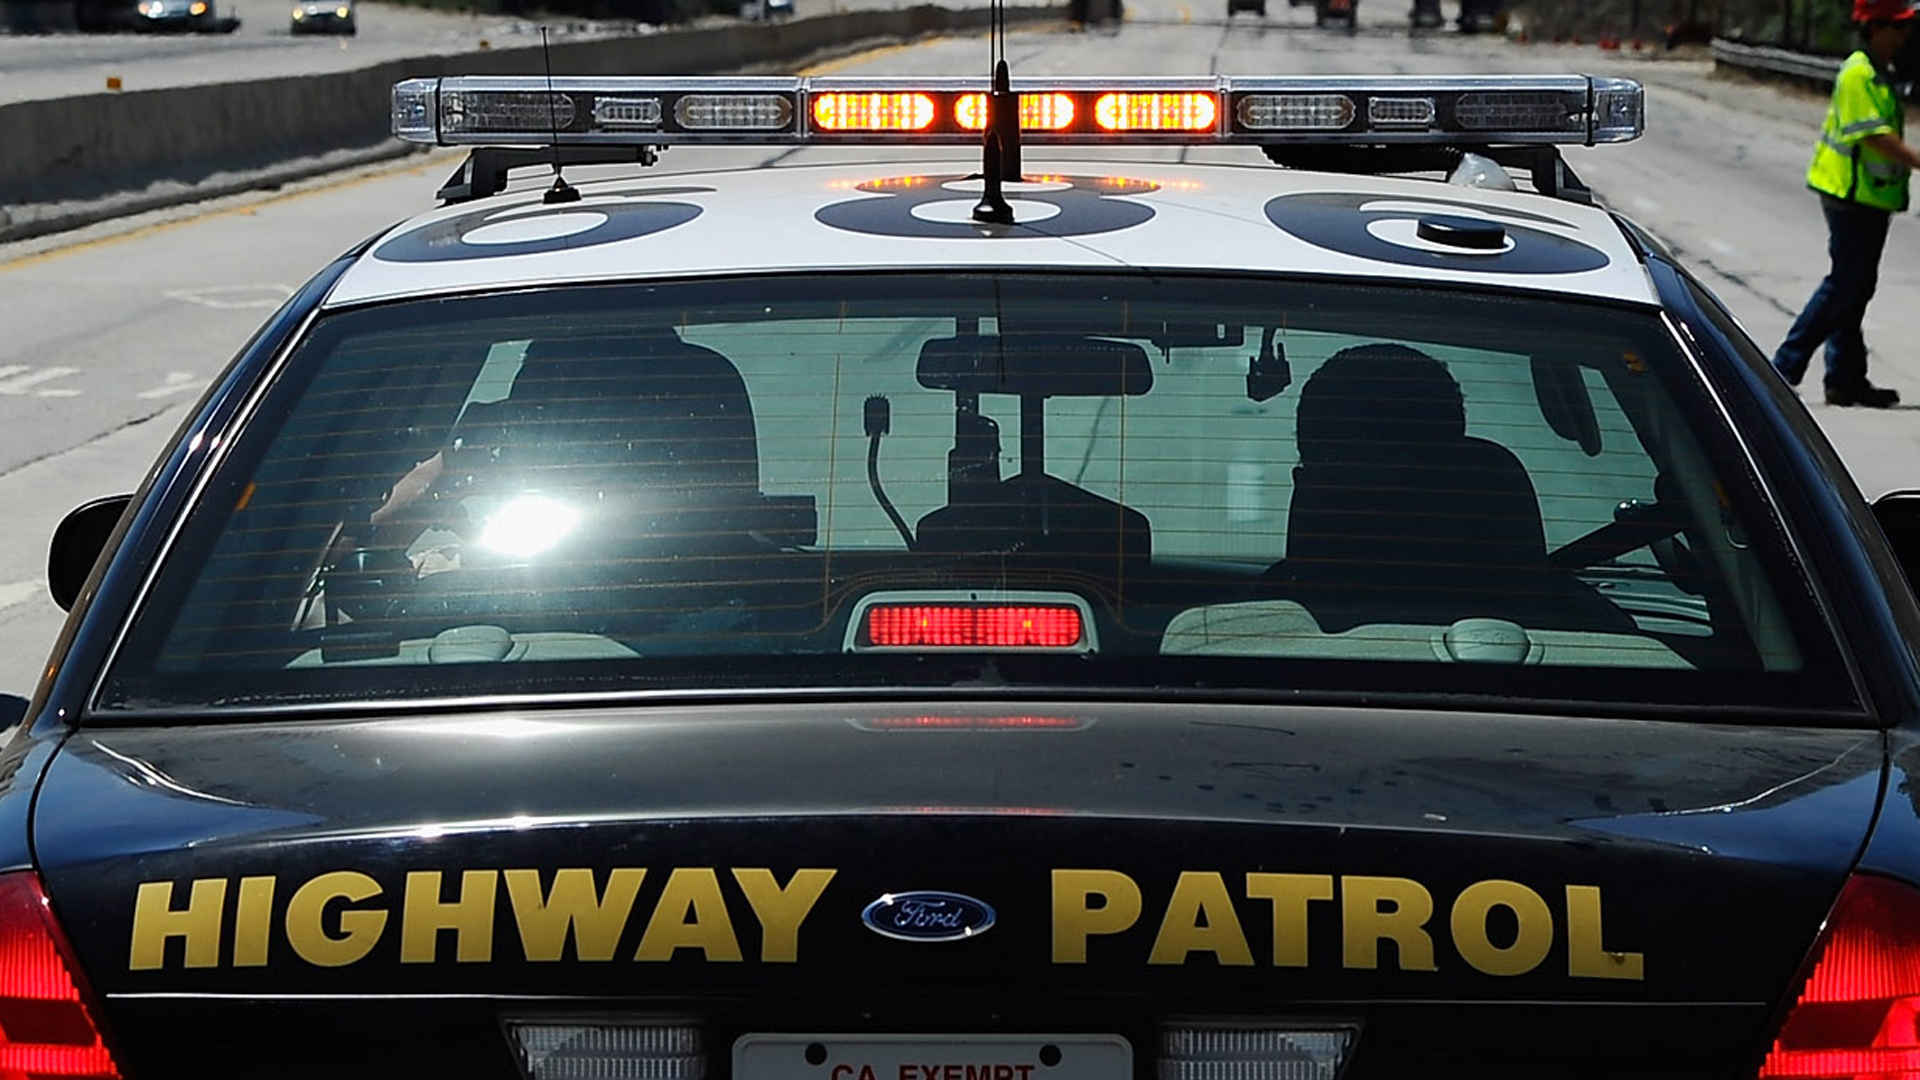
x,y
476,110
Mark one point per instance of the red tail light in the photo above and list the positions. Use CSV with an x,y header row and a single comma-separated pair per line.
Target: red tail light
x,y
1856,1016
1008,626
47,1028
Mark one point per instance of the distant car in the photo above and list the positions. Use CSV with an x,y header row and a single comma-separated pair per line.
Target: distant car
x,y
1482,16
323,17
1258,7
190,15
1336,13
766,10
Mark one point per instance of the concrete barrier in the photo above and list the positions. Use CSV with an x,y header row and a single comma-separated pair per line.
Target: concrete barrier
x,y
73,161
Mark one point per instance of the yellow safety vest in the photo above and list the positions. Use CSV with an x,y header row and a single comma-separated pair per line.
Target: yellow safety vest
x,y
1864,104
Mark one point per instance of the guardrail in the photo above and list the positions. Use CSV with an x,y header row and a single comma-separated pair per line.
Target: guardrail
x,y
1819,70
78,160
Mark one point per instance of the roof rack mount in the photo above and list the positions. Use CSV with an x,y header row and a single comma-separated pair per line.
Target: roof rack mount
x,y
1544,165
486,168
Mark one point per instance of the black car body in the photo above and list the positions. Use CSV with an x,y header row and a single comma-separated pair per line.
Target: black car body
x,y
1180,735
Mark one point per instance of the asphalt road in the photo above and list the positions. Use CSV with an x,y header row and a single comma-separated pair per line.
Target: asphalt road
x,y
107,337
64,65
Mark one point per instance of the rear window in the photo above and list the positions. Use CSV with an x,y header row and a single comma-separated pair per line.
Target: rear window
x,y
986,485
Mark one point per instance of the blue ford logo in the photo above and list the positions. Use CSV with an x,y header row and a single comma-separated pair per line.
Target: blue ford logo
x,y
927,915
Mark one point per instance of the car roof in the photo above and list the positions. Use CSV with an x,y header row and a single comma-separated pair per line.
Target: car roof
x,y
1071,215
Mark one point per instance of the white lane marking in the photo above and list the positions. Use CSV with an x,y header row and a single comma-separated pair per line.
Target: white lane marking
x,y
10,370
17,592
234,297
20,384
1720,247
178,382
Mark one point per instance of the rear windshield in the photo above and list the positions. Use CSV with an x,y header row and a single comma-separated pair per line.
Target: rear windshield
x,y
990,485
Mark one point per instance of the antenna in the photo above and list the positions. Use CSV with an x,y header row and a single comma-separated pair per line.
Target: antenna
x,y
561,191
1000,145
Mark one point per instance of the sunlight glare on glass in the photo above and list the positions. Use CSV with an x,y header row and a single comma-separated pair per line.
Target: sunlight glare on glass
x,y
528,526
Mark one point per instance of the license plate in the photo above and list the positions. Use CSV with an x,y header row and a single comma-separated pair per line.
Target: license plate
x,y
767,1056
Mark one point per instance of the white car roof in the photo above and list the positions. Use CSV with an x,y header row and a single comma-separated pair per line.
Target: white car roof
x,y
1070,215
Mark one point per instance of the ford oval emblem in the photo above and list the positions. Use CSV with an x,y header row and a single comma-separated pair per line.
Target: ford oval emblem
x,y
928,915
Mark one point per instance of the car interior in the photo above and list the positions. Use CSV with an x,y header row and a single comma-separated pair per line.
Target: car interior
x,y
720,478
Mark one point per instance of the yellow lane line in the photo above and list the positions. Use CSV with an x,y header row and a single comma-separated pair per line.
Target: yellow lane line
x,y
828,67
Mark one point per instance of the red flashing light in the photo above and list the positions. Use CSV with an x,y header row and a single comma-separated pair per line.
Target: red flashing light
x,y
47,1028
980,626
1858,1016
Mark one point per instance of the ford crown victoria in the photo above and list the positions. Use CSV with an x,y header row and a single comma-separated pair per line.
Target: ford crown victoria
x,y
1048,614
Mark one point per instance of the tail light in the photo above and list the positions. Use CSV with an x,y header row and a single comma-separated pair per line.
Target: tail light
x,y
652,1049
48,1028
1252,1050
1858,1014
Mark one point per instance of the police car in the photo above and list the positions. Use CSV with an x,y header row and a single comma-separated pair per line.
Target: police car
x,y
1041,615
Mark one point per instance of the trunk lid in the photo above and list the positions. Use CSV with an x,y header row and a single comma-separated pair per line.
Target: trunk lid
x,y
1495,891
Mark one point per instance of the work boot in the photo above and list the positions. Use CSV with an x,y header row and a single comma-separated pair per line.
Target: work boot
x,y
1866,395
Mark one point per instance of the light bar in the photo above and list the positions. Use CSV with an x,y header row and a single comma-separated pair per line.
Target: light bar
x,y
1471,110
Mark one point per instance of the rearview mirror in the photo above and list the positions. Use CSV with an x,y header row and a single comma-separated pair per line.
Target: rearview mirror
x,y
1035,365
78,544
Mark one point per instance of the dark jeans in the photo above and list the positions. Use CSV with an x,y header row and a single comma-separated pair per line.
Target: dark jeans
x,y
1855,237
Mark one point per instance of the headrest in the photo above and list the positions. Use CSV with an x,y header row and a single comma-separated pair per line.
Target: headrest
x,y
631,371
1378,400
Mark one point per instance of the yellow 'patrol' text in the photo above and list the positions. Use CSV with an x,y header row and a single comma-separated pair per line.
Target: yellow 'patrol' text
x,y
1391,921
340,917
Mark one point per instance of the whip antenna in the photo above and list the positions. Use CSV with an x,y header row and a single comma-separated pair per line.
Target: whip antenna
x,y
561,191
1000,145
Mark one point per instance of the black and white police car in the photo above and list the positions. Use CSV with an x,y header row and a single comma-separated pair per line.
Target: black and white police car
x,y
1036,616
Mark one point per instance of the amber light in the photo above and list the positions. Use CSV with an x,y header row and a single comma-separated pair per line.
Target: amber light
x,y
1038,112
1186,111
46,1027
974,723
857,111
1012,626
1856,1015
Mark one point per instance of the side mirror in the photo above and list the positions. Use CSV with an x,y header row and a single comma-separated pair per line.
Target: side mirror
x,y
1899,515
78,544
13,709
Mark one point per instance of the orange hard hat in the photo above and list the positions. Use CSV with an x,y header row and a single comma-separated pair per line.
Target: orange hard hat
x,y
1882,10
